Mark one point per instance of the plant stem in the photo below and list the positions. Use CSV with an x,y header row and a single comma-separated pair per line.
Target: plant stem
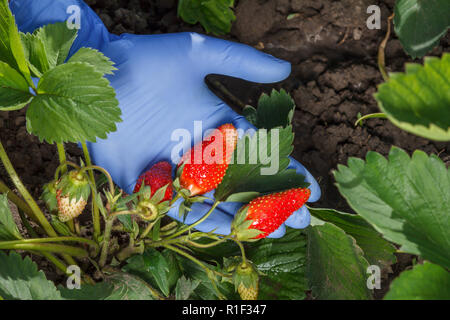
x,y
25,194
381,54
241,246
195,260
148,229
22,205
62,157
123,213
169,226
183,230
95,210
56,239
106,239
55,248
60,167
27,225
37,215
209,272
58,263
370,116
209,245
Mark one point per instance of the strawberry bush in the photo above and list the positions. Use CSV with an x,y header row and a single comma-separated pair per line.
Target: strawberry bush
x,y
401,204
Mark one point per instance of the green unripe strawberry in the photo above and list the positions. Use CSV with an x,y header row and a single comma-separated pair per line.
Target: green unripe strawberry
x,y
248,293
246,281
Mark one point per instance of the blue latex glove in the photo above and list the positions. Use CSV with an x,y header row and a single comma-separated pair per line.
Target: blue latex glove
x,y
160,86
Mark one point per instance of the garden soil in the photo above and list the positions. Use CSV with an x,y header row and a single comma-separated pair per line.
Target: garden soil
x,y
334,77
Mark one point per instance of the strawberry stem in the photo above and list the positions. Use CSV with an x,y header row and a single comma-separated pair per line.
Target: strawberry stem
x,y
22,205
241,246
95,209
186,229
208,271
60,168
62,157
54,239
106,240
148,229
37,213
55,248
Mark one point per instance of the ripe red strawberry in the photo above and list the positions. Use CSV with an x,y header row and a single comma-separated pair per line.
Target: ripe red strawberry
x,y
265,214
157,177
201,175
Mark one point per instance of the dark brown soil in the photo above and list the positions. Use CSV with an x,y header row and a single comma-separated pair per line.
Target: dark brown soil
x,y
334,77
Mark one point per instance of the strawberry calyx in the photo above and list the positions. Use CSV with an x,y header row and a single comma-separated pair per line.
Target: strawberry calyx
x,y
246,280
240,226
75,185
49,196
151,207
189,199
154,190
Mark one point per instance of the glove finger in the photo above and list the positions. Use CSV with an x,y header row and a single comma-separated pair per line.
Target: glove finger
x,y
219,221
299,219
279,233
314,186
228,58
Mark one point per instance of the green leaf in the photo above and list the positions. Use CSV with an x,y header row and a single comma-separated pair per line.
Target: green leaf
x,y
205,290
117,286
251,114
48,47
425,282
74,103
126,221
283,261
215,16
174,269
151,266
336,266
185,288
58,40
35,54
244,197
21,280
420,24
418,101
8,228
11,49
376,250
95,58
249,174
276,110
61,227
406,199
14,90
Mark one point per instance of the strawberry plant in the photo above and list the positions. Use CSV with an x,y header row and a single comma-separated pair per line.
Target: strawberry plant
x,y
69,99
216,16
131,249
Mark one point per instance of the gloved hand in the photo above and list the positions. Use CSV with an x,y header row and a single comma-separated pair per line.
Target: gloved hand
x,y
160,86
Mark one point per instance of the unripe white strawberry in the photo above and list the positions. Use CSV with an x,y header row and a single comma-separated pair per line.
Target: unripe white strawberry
x,y
69,209
72,194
